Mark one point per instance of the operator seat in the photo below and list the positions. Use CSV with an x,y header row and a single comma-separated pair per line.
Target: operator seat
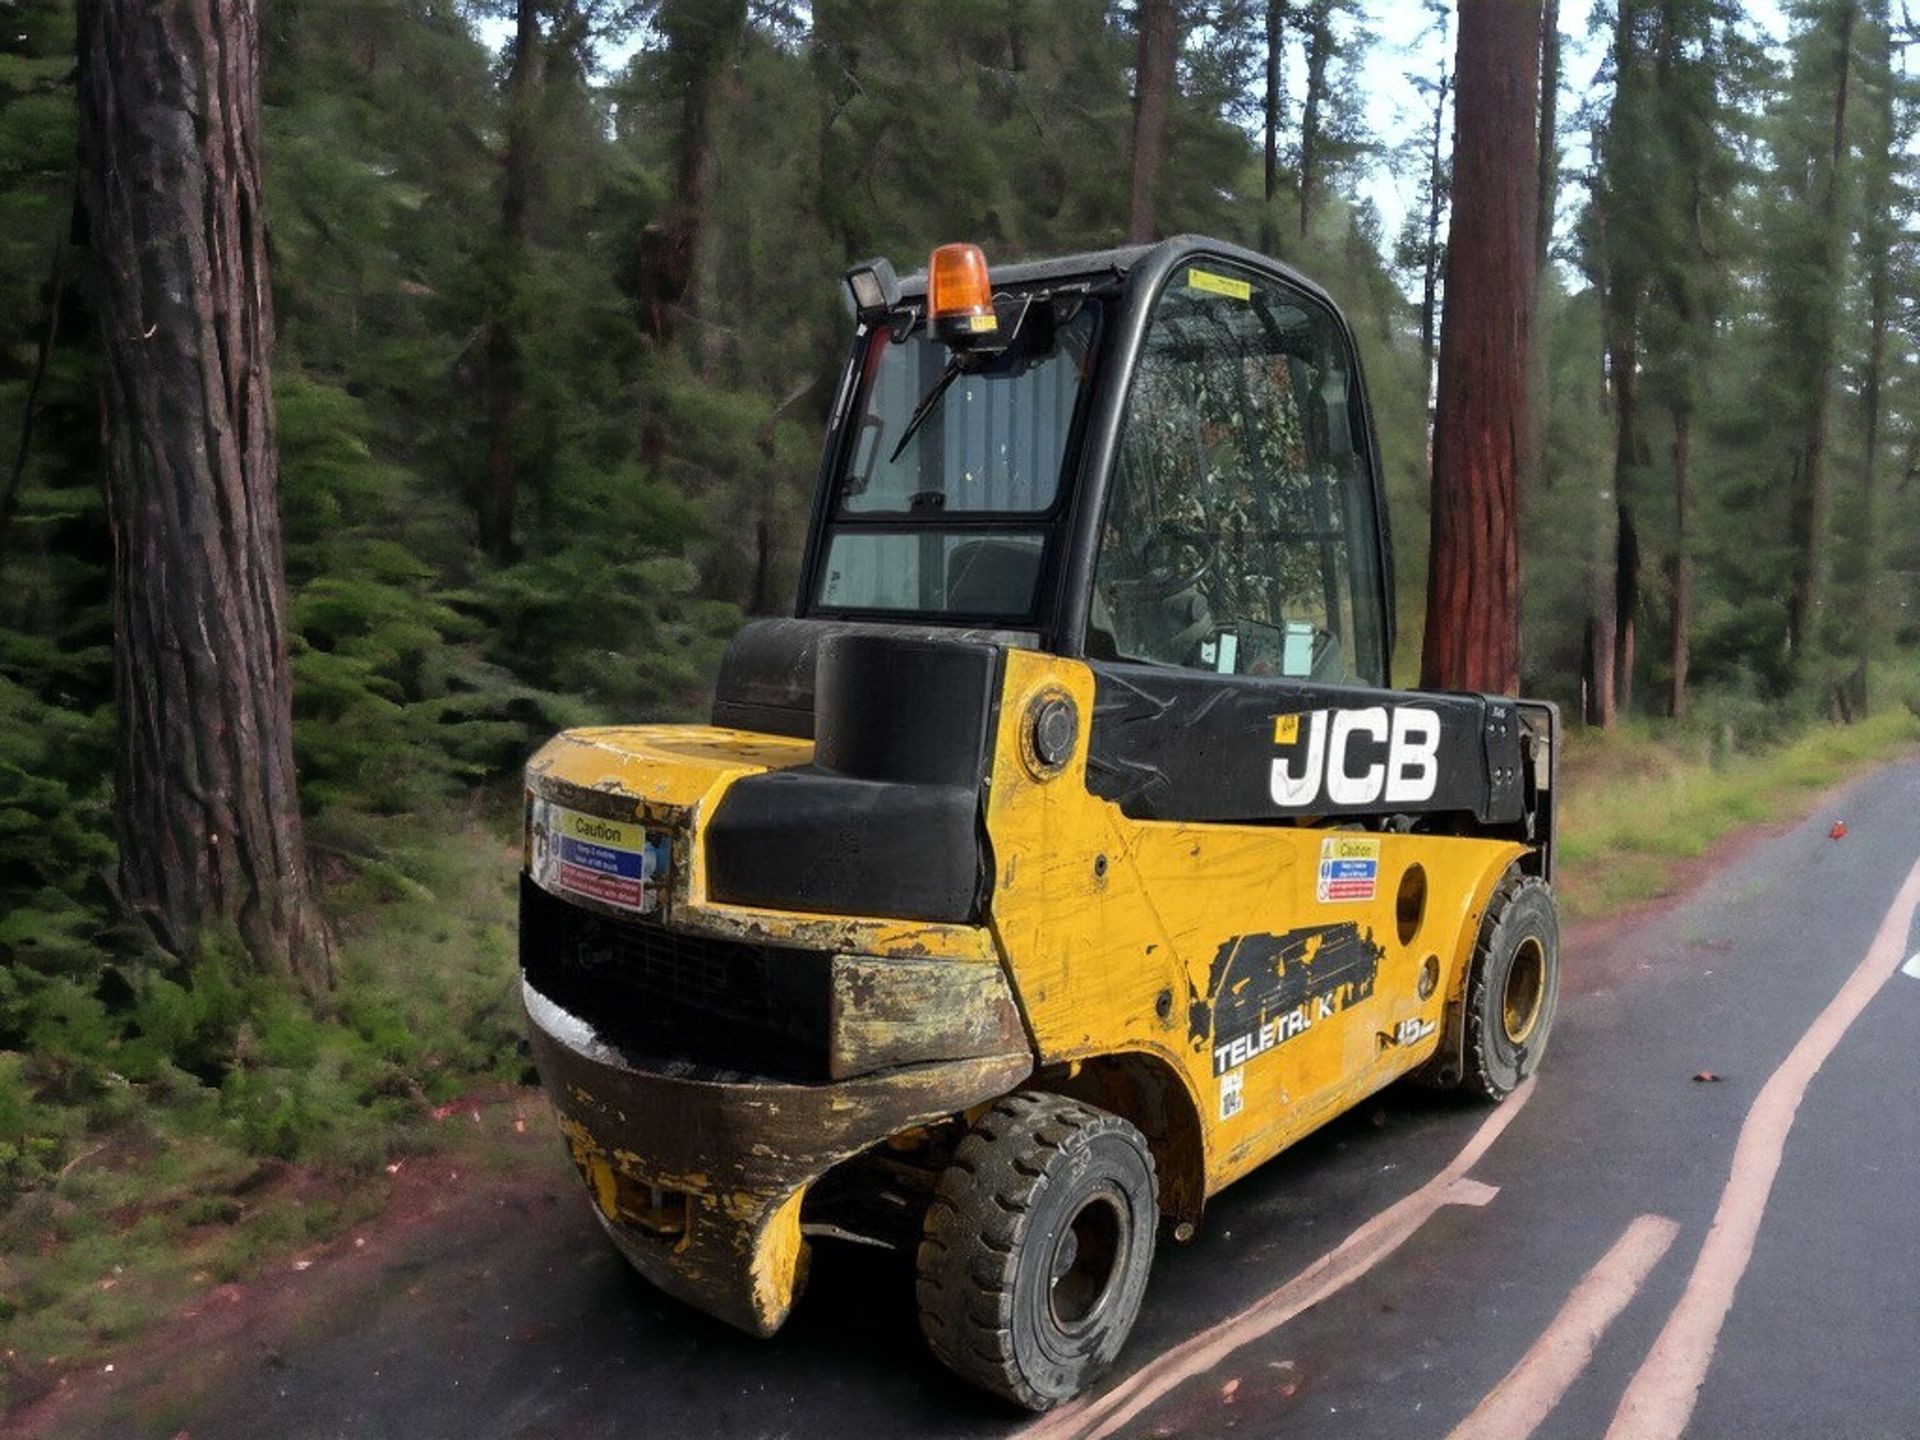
x,y
992,577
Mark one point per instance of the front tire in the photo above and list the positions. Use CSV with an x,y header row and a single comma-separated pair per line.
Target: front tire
x,y
1514,987
1036,1248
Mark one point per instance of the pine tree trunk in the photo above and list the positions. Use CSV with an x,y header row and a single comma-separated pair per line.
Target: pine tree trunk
x,y
1152,100
1597,680
205,807
702,37
1319,52
1547,182
505,382
1814,498
1868,625
1615,576
1472,635
1617,584
1681,653
1626,604
1882,223
1430,271
1617,555
1270,156
1546,185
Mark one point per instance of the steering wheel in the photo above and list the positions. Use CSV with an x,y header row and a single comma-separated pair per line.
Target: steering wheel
x,y
1163,571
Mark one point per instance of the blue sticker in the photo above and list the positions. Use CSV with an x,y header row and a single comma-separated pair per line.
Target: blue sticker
x,y
630,864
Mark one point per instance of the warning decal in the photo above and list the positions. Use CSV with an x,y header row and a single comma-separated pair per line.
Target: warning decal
x,y
1219,284
615,862
1349,869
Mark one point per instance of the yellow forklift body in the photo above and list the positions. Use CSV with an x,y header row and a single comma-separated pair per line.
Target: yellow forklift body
x,y
699,1180
1104,939
1067,854
1113,930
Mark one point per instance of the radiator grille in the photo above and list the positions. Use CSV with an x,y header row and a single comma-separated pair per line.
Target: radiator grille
x,y
661,995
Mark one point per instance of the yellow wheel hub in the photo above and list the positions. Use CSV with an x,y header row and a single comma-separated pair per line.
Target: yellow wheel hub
x,y
1526,989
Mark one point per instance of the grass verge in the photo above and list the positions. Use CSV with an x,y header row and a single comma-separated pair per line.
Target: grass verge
x,y
1640,801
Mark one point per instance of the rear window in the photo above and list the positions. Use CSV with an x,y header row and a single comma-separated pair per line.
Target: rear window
x,y
990,446
937,572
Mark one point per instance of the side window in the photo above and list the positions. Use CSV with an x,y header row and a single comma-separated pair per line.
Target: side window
x,y
1240,531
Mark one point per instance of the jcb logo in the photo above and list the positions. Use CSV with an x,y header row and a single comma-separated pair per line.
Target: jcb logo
x,y
1357,757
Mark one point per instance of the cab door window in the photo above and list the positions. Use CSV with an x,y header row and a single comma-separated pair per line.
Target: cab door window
x,y
1240,534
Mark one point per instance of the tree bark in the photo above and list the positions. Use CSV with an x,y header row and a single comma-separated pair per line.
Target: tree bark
x,y
702,37
1472,635
1626,603
1547,176
1680,653
1872,379
1814,496
1546,184
1430,276
1270,157
1597,679
1881,227
1319,53
1152,100
1614,555
205,807
505,382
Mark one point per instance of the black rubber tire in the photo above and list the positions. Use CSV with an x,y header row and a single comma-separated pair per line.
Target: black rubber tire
x,y
1521,921
1033,1168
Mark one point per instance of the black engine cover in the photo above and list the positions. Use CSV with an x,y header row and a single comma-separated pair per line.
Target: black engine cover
x,y
1187,745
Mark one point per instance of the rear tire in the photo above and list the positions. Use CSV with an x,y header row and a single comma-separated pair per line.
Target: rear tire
x,y
1036,1248
1513,988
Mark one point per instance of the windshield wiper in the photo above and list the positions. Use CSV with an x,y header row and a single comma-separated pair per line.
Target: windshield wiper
x,y
925,407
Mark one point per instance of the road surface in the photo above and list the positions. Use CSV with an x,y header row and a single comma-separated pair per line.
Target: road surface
x,y
1422,1268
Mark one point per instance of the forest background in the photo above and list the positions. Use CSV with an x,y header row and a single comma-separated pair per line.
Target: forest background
x,y
557,292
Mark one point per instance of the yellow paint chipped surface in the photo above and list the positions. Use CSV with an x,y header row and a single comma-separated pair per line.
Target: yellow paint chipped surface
x,y
1098,953
674,775
1109,929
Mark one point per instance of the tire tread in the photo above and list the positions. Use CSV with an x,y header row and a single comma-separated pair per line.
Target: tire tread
x,y
1479,1076
968,1257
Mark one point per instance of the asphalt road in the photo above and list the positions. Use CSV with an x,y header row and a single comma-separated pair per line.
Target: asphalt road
x,y
1594,1198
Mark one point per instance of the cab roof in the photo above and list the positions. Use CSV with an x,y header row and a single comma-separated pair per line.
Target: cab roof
x,y
1119,261
1116,262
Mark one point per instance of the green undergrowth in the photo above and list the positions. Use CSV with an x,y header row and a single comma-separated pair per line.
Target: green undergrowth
x,y
1639,802
184,1129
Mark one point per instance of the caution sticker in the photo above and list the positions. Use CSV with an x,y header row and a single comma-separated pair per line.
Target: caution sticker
x,y
1219,284
620,863
1349,869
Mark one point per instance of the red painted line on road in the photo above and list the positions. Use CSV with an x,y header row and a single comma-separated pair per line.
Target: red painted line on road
x,y
1362,1250
1659,1400
1514,1408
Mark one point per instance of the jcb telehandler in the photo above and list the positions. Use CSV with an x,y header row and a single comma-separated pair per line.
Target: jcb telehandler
x,y
1068,855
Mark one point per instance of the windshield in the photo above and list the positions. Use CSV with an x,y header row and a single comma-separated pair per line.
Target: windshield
x,y
987,452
